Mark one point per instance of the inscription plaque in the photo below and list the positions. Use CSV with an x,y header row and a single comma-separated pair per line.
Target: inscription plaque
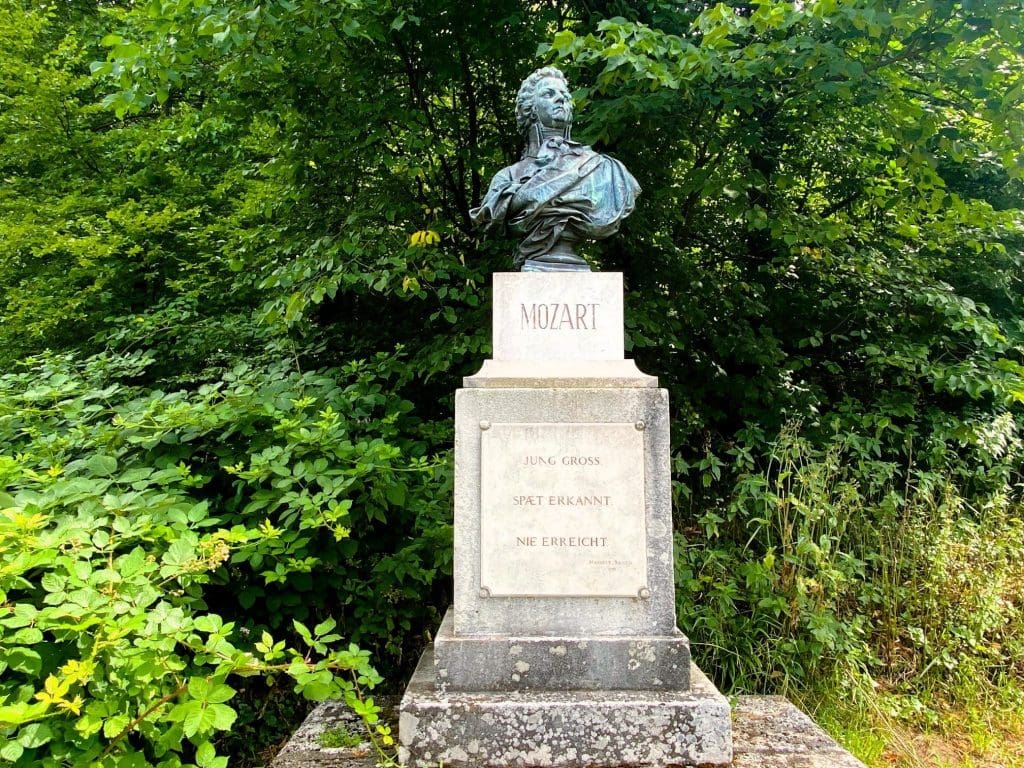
x,y
562,510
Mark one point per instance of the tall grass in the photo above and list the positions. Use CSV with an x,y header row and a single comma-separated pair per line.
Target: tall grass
x,y
824,564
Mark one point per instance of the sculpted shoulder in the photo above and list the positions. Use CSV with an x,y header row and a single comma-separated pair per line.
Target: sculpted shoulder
x,y
560,192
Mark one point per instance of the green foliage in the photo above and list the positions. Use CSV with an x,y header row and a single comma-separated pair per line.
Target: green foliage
x,y
324,465
779,572
117,546
238,284
825,562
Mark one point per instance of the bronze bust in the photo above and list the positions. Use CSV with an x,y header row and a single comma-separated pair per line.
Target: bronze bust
x,y
560,192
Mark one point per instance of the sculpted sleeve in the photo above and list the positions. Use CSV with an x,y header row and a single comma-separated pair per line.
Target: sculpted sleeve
x,y
493,214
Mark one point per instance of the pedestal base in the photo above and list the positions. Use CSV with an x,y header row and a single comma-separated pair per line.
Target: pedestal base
x,y
531,663
563,729
767,732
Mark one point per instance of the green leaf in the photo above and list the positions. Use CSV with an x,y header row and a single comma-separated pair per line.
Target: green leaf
x,y
223,716
396,494
11,751
34,735
24,660
197,719
324,627
296,303
28,636
304,633
180,553
220,693
113,726
209,623
563,41
132,563
205,754
52,582
15,714
199,688
101,465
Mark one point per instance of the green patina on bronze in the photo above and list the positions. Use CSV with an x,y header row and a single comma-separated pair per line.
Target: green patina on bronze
x,y
561,192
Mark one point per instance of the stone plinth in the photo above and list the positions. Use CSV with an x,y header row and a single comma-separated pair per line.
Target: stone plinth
x,y
558,330
561,648
525,663
541,317
644,606
569,729
559,374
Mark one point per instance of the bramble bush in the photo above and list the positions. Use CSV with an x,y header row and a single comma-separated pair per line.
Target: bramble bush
x,y
129,519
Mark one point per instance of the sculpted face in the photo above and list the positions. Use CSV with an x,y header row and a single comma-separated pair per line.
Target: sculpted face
x,y
552,103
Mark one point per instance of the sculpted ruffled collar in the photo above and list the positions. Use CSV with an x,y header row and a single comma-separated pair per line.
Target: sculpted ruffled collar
x,y
554,147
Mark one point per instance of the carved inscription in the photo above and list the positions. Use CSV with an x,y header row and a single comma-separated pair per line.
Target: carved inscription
x,y
562,501
562,510
561,541
558,316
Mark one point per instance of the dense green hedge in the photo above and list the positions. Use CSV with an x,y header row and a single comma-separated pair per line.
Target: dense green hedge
x,y
153,541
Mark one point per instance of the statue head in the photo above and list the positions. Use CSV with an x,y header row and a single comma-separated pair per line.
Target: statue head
x,y
544,100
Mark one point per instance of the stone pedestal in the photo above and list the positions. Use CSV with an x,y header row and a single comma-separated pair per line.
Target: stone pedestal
x,y
561,648
537,663
578,728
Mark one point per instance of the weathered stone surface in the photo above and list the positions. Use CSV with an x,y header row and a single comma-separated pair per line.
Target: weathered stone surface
x,y
651,610
565,374
566,316
562,510
767,732
563,729
770,732
495,663
305,749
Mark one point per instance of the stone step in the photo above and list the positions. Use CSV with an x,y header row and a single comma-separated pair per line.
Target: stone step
x,y
563,729
767,732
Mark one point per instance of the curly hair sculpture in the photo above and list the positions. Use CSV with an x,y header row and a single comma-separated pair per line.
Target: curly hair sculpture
x,y
525,116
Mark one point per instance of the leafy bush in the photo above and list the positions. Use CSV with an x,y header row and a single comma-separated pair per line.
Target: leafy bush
x,y
124,535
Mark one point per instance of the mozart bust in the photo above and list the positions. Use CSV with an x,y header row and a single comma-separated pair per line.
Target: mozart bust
x,y
561,192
